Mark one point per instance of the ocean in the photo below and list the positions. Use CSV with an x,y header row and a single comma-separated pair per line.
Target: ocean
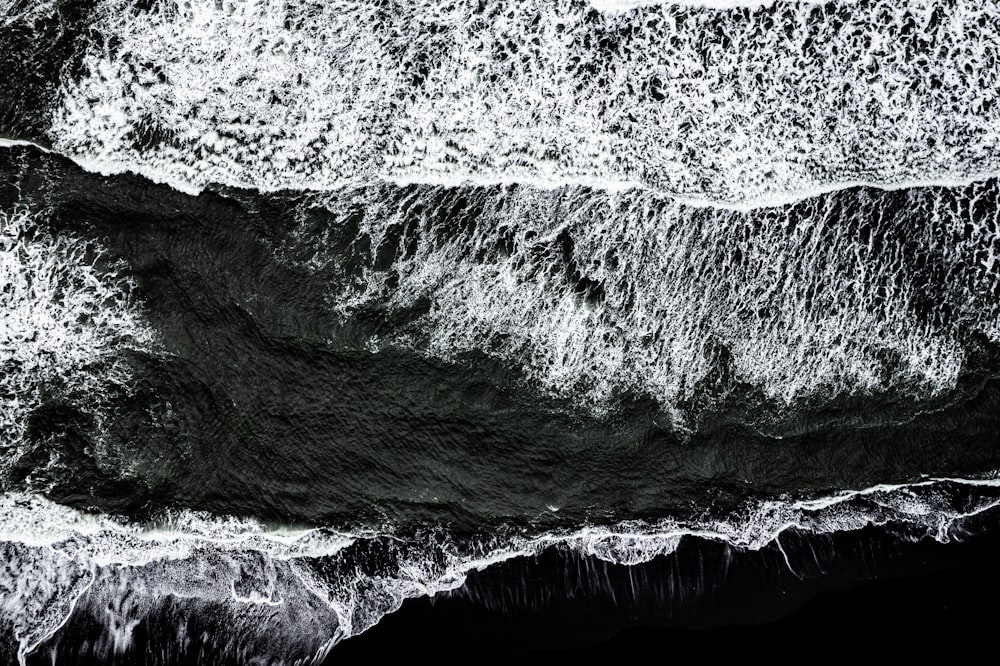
x,y
482,331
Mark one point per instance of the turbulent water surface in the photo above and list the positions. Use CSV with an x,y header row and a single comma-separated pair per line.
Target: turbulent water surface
x,y
310,308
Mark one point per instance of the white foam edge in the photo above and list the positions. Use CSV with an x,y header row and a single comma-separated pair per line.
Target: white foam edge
x,y
106,167
240,534
63,523
625,6
652,539
12,143
663,537
847,495
230,533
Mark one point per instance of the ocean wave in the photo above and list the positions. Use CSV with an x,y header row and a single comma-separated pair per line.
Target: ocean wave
x,y
599,295
68,316
293,594
741,106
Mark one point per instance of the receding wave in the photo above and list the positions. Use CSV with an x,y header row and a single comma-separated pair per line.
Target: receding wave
x,y
739,105
292,595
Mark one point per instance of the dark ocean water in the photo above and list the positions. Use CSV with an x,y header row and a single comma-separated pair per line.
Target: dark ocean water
x,y
332,332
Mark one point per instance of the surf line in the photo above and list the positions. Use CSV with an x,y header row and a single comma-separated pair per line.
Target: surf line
x,y
8,142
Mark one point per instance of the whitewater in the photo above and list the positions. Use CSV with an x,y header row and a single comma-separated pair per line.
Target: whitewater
x,y
293,594
741,106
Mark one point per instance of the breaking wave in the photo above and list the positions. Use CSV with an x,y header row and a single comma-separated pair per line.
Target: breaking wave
x,y
601,294
739,105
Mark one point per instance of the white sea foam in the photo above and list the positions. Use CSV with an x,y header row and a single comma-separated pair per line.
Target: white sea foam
x,y
293,595
741,106
597,294
55,555
13,143
66,317
24,11
621,6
